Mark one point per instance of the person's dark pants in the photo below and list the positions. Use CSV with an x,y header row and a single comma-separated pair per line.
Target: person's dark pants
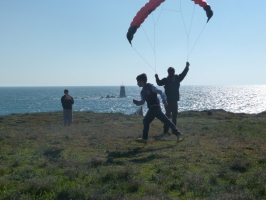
x,y
151,114
67,116
171,108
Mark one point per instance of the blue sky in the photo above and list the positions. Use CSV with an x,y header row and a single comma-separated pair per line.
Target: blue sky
x,y
83,42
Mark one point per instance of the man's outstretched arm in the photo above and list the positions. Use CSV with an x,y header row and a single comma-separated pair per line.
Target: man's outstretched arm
x,y
184,72
158,81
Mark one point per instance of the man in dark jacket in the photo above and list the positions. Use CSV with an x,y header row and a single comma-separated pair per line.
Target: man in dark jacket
x,y
171,85
67,102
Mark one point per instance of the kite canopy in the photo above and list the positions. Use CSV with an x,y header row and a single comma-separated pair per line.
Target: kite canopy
x,y
143,13
209,12
206,7
130,33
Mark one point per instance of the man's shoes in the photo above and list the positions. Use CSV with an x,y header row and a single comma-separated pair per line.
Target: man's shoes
x,y
141,140
178,136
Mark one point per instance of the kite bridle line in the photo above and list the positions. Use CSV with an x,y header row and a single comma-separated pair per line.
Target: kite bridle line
x,y
196,40
183,20
147,38
143,59
188,31
154,43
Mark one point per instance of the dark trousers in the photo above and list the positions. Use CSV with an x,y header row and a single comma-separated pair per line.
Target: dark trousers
x,y
151,114
172,108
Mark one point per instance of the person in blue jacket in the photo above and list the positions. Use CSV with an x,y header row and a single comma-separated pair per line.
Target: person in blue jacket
x,y
149,94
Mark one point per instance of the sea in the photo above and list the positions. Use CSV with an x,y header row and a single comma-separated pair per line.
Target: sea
x,y
250,99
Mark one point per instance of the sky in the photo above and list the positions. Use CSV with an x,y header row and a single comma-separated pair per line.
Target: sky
x,y
83,42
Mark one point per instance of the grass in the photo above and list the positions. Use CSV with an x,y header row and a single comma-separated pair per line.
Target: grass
x,y
221,157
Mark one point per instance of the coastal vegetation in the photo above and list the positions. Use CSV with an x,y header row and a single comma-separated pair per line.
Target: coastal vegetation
x,y
222,156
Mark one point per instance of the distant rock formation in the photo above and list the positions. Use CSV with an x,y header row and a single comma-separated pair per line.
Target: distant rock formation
x,y
108,96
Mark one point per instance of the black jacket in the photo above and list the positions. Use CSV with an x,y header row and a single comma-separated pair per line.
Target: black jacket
x,y
67,103
172,85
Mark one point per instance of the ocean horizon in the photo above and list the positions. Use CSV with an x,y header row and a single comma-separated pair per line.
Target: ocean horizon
x,y
249,99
